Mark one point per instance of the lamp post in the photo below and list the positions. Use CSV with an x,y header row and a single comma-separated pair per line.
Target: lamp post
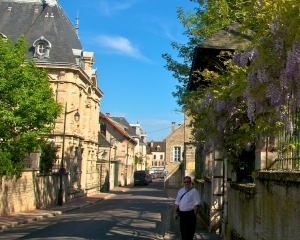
x,y
62,170
111,142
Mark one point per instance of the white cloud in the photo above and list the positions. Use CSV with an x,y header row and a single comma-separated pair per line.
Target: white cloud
x,y
120,45
112,7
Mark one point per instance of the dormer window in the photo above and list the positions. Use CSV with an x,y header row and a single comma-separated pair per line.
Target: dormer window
x,y
42,48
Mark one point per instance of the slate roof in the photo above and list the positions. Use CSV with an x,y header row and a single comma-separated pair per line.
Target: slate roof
x,y
121,121
102,140
154,147
36,18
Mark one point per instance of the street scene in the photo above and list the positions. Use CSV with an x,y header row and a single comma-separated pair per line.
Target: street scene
x,y
126,119
125,213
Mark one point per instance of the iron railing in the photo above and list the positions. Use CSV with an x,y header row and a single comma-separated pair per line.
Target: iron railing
x,y
289,145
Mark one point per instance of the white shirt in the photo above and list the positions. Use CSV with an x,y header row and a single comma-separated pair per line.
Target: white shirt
x,y
189,200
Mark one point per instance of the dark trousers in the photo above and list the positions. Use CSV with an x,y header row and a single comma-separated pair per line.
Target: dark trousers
x,y
187,225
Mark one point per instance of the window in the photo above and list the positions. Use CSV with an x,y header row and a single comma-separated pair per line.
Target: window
x,y
172,180
154,157
176,154
42,48
161,157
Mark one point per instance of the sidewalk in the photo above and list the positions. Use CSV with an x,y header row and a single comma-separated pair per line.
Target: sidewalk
x,y
38,214
172,228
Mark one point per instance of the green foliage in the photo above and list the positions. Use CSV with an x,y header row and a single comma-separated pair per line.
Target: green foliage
x,y
27,106
136,161
48,157
230,84
207,18
180,167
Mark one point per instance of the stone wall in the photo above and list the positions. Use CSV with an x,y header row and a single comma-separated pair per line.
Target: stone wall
x,y
30,192
267,210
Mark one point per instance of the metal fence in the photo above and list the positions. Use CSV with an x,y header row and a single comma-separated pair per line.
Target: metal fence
x,y
289,145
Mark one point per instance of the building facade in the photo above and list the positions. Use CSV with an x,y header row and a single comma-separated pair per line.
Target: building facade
x,y
156,157
121,160
55,46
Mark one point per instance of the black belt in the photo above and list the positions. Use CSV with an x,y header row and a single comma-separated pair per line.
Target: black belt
x,y
188,211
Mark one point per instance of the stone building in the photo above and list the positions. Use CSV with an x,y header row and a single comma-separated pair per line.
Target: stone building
x,y
175,156
156,157
121,160
55,46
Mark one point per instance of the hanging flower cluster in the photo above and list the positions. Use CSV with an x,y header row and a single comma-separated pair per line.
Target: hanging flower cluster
x,y
258,91
273,82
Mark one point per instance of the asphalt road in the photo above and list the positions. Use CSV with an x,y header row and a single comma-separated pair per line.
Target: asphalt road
x,y
134,214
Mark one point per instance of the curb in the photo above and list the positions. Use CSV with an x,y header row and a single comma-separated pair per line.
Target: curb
x,y
29,220
167,226
52,214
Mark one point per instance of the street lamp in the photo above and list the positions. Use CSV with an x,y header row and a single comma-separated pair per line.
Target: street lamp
x,y
111,142
62,170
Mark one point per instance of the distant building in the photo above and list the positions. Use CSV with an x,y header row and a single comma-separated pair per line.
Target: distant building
x,y
141,138
156,157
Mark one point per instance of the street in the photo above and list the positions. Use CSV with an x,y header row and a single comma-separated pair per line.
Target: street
x,y
134,214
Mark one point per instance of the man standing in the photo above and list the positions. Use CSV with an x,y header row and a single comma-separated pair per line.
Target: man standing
x,y
187,202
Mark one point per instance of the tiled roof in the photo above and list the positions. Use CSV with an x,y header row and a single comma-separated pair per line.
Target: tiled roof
x,y
120,129
124,124
227,38
36,18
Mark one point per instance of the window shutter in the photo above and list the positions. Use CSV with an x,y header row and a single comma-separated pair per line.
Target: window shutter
x,y
172,154
181,153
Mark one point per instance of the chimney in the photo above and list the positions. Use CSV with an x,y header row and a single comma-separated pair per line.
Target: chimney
x,y
173,126
107,115
151,143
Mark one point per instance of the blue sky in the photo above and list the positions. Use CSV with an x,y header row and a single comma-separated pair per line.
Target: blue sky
x,y
128,38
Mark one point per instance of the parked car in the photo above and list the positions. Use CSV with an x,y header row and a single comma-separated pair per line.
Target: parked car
x,y
149,177
140,178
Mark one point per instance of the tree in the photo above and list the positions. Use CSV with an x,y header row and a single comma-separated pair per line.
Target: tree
x,y
27,106
48,157
259,90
